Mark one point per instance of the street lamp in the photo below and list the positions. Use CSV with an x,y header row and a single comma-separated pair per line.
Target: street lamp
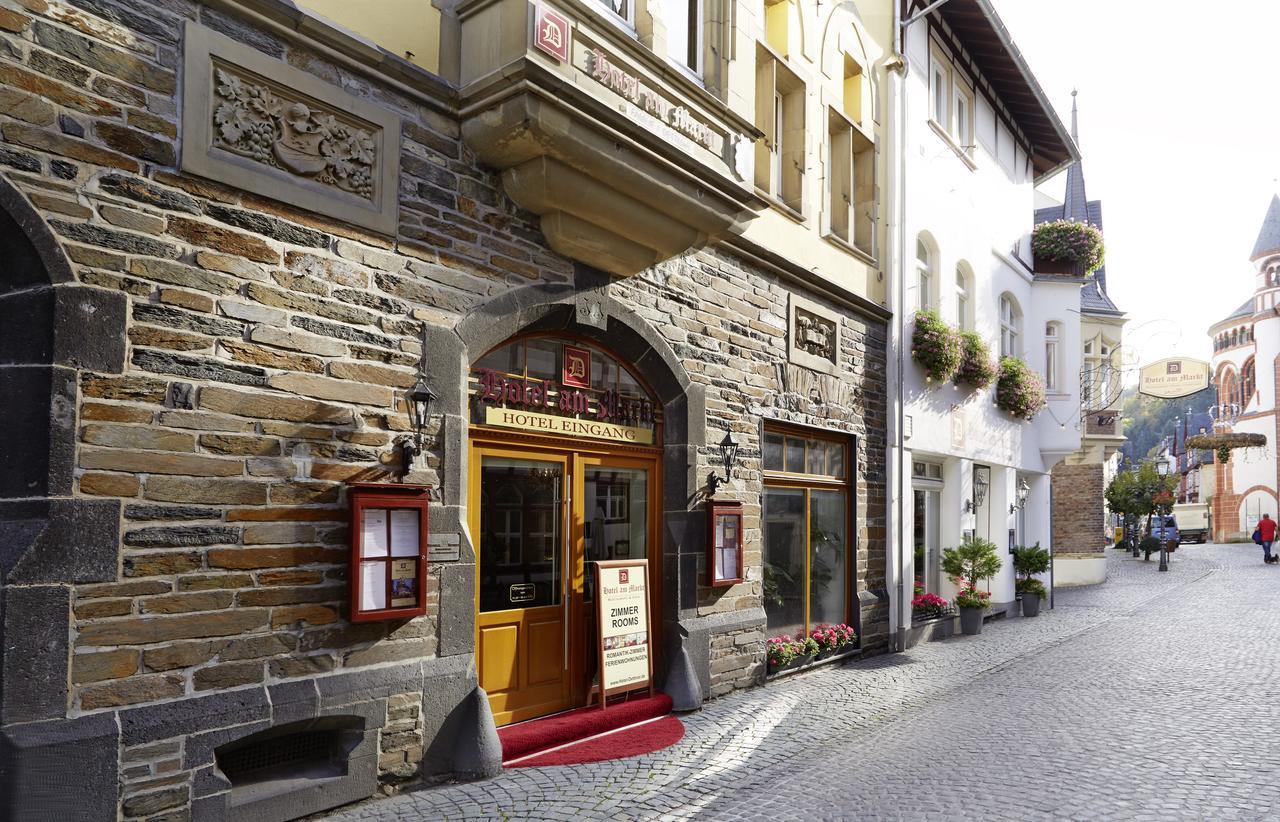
x,y
1163,467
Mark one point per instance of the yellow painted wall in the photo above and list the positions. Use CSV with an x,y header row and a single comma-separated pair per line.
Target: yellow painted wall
x,y
399,26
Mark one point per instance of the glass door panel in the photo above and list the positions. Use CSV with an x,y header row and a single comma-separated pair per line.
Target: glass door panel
x,y
520,533
828,565
615,511
784,559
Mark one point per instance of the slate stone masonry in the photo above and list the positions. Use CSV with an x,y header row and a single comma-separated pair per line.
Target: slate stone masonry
x,y
204,368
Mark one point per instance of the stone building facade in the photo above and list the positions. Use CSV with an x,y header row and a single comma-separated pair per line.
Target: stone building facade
x,y
235,235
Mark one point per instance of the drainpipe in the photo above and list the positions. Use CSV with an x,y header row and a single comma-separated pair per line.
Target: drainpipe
x,y
897,302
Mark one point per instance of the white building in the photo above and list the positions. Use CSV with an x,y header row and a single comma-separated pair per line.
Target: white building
x,y
1245,487
979,134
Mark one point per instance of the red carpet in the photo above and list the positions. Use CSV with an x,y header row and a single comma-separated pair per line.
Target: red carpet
x,y
638,739
525,738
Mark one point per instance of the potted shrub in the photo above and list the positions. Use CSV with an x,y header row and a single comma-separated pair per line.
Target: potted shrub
x,y
974,559
976,368
1027,562
1067,247
1019,390
935,346
1149,546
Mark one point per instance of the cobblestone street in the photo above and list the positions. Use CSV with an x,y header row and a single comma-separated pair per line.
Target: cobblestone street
x,y
1153,696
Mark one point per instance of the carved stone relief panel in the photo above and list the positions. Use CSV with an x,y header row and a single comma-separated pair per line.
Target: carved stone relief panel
x,y
258,124
813,336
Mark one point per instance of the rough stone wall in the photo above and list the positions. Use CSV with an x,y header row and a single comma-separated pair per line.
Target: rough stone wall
x,y
737,660
1079,512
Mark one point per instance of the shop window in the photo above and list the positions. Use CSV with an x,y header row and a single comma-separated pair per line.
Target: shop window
x,y
807,526
780,155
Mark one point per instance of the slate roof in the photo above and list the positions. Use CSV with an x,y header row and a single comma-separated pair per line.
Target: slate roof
x,y
1076,206
1269,235
1245,310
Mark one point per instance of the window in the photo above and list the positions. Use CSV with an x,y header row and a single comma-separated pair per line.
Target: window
x,y
940,80
964,312
1051,371
924,276
683,19
951,100
1009,320
1100,385
622,8
1248,382
962,120
806,520
850,183
780,115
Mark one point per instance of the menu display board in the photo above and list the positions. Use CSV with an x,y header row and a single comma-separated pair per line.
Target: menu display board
x,y
724,543
388,551
622,600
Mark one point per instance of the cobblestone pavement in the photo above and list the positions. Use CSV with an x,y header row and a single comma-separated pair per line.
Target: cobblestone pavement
x,y
1153,696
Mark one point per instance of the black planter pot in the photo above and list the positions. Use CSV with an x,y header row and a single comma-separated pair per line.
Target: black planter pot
x,y
1030,605
971,620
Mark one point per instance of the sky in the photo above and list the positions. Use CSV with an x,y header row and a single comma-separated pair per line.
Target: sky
x,y
1180,133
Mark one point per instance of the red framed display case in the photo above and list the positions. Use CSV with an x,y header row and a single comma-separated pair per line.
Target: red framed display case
x,y
724,543
388,550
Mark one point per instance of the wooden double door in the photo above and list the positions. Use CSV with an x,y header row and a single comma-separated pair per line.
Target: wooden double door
x,y
538,515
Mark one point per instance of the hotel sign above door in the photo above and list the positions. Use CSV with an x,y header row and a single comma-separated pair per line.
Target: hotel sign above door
x,y
570,406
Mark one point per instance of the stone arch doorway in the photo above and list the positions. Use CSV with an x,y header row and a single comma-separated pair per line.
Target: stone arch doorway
x,y
584,312
51,331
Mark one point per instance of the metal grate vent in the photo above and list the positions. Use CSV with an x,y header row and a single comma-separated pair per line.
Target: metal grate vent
x,y
310,747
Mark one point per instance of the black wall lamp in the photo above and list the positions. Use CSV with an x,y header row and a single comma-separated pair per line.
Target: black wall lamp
x,y
420,397
728,455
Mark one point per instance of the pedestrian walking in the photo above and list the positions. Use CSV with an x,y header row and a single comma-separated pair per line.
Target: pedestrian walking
x,y
1267,536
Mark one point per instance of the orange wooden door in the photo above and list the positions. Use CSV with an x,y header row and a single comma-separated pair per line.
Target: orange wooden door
x,y
520,518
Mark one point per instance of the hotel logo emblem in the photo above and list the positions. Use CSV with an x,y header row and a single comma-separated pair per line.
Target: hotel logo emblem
x,y
551,34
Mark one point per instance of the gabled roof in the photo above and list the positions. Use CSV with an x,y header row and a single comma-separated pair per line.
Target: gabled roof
x,y
984,36
1269,235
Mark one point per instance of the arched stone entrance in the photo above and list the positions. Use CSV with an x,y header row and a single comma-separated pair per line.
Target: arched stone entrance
x,y
586,312
52,330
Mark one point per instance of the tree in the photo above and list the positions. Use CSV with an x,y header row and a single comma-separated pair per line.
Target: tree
x,y
1141,492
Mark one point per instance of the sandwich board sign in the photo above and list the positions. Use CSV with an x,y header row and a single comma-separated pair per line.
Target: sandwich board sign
x,y
622,602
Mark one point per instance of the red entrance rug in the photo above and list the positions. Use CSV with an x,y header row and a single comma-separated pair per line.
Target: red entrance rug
x,y
553,731
646,737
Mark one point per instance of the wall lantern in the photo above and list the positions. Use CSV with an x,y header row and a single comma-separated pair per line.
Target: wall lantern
x,y
420,398
981,482
1024,491
728,455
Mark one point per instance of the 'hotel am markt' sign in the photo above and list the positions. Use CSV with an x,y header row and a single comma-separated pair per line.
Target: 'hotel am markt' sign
x,y
570,406
1173,377
623,602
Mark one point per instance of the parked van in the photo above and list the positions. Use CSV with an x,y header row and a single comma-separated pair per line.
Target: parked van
x,y
1193,521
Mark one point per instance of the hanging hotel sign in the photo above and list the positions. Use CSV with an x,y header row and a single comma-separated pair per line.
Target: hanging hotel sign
x,y
623,612
1173,377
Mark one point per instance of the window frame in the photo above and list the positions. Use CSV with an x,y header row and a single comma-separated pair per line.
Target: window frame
x,y
1052,351
809,483
1010,326
924,275
695,35
781,100
964,297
